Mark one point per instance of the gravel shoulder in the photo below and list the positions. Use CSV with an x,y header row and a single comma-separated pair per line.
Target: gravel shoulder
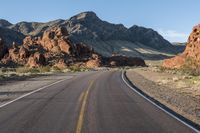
x,y
178,92
13,88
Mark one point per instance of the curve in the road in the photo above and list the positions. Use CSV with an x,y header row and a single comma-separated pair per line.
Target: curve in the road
x,y
191,125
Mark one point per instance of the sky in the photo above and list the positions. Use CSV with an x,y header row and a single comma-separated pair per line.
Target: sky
x,y
173,19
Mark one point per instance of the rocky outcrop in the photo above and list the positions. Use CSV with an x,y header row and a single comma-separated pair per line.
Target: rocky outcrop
x,y
192,51
54,48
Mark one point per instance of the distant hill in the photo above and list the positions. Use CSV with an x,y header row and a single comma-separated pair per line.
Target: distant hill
x,y
106,38
4,23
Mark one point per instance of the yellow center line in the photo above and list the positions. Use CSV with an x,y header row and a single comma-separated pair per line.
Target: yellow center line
x,y
83,106
81,96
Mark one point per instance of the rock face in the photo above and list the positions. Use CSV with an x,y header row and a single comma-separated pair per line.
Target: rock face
x,y
192,51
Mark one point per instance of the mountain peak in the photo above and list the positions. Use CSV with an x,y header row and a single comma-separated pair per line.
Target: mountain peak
x,y
84,16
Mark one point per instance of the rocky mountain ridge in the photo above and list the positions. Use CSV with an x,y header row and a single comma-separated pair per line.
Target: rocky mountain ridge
x,y
102,36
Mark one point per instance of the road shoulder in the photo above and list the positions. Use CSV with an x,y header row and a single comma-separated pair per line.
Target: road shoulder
x,y
181,103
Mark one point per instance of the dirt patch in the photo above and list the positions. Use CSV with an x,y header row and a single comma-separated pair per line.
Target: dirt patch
x,y
13,88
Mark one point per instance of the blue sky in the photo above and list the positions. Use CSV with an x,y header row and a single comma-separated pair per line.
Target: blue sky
x,y
174,19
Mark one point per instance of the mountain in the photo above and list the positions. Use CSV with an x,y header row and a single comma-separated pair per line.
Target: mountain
x,y
104,37
10,36
34,28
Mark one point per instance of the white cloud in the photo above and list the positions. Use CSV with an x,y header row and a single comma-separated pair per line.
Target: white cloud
x,y
173,36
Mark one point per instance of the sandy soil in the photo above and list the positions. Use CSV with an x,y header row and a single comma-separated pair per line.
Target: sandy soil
x,y
179,92
14,88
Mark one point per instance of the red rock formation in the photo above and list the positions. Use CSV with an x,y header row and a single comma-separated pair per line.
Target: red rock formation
x,y
53,48
192,51
55,40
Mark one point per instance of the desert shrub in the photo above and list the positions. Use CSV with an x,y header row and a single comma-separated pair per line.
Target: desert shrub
x,y
77,69
56,69
191,67
22,70
4,70
27,70
44,69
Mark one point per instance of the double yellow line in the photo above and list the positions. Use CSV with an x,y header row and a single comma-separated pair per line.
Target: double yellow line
x,y
84,96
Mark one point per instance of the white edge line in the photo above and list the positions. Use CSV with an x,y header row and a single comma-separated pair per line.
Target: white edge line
x,y
158,105
25,95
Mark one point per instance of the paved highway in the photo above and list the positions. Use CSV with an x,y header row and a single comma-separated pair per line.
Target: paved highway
x,y
92,102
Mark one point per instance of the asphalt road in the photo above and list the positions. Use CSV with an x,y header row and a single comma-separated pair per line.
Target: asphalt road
x,y
93,102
